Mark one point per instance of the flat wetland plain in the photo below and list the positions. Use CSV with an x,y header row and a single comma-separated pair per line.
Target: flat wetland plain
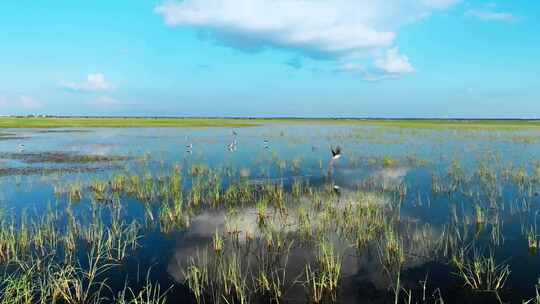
x,y
222,210
59,122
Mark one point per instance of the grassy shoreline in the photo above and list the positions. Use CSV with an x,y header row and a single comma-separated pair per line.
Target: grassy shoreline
x,y
75,122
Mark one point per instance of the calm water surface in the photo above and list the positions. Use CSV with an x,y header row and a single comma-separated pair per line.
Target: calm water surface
x,y
417,160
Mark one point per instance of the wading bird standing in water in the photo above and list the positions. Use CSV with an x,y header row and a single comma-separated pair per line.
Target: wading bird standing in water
x,y
232,146
20,148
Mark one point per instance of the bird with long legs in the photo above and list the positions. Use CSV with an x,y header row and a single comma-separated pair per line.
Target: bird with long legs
x,y
336,155
189,146
234,144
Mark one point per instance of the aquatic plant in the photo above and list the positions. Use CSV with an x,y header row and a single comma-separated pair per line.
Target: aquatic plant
x,y
268,217
322,278
481,273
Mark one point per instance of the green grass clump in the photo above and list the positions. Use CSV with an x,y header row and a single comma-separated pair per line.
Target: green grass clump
x,y
481,273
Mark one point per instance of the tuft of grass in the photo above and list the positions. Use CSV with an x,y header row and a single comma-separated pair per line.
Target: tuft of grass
x,y
481,273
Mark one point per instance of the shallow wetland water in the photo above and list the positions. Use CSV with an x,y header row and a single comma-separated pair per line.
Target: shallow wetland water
x,y
264,215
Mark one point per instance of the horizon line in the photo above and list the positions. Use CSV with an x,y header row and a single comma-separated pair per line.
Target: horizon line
x,y
266,117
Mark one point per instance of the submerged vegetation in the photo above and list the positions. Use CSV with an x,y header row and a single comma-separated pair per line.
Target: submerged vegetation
x,y
295,230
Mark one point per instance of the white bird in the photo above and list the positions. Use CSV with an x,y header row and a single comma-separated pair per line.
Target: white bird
x,y
20,148
266,144
233,145
336,153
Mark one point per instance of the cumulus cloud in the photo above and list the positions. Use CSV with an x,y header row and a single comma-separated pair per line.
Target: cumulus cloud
x,y
336,29
93,83
391,64
394,63
491,15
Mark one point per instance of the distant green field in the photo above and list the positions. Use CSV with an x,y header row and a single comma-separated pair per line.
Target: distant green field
x,y
25,122
419,123
31,122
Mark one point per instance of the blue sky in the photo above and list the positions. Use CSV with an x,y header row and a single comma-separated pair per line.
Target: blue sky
x,y
393,58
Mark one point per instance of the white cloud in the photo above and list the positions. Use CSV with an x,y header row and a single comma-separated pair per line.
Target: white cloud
x,y
94,83
342,29
391,64
394,63
491,15
317,26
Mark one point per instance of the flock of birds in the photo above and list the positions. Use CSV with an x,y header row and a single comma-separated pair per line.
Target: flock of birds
x,y
233,146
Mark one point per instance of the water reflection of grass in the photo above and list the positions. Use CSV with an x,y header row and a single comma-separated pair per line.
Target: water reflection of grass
x,y
107,240
246,242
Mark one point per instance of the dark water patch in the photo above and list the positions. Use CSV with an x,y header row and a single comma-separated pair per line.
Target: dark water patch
x,y
61,157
